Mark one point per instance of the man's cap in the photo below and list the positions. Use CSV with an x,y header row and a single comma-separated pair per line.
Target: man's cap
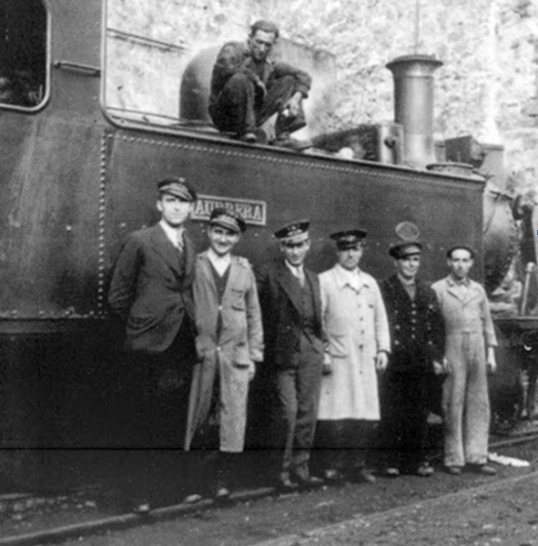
x,y
469,249
177,186
350,238
403,249
295,232
227,219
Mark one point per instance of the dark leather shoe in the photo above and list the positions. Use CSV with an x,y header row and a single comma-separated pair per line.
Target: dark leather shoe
x,y
483,469
309,481
424,471
361,475
285,484
391,472
222,493
453,470
141,508
332,475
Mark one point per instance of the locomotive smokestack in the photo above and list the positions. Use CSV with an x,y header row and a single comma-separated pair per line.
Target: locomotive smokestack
x,y
413,106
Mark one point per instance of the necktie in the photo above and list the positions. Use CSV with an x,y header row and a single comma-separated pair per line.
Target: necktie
x,y
299,273
179,240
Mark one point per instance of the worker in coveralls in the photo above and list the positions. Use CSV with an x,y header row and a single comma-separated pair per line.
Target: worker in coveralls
x,y
469,356
229,341
248,88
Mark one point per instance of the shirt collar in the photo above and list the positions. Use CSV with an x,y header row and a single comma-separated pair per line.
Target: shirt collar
x,y
354,279
452,282
215,259
295,269
406,282
171,233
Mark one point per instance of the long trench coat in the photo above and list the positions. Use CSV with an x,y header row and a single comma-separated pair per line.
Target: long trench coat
x,y
231,354
356,326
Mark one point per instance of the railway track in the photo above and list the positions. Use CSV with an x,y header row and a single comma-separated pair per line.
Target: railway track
x,y
272,511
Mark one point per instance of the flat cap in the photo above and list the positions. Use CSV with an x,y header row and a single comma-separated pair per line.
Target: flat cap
x,y
403,249
469,249
350,238
295,232
227,219
175,185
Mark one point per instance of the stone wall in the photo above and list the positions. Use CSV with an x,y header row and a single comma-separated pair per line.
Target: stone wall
x,y
486,87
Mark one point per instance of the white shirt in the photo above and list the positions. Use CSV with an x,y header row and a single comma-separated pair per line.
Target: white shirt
x,y
220,263
296,270
172,233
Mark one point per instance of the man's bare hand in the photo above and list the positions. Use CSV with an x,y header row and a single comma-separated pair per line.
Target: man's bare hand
x,y
293,106
381,361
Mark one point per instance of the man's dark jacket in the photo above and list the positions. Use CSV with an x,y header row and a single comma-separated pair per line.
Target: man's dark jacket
x,y
416,327
151,289
281,303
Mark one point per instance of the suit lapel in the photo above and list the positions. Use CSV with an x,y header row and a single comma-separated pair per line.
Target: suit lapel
x,y
316,293
165,248
290,285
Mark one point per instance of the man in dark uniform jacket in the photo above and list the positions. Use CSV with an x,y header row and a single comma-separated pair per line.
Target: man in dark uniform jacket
x,y
150,292
291,310
247,87
417,335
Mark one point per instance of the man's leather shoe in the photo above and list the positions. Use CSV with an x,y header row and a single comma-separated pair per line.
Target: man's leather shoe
x,y
483,469
361,475
309,481
391,472
249,137
453,470
424,471
332,475
193,498
141,508
222,493
285,484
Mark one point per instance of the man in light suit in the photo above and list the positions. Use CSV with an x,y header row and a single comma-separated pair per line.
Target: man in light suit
x,y
229,341
291,308
150,292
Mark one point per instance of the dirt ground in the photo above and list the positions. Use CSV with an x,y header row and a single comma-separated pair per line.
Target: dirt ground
x,y
442,510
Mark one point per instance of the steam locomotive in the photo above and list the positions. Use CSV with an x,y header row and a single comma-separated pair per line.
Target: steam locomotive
x,y
79,161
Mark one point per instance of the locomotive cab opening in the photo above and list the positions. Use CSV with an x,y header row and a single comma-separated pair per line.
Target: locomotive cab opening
x,y
23,54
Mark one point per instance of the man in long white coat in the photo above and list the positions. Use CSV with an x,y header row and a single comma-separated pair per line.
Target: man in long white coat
x,y
357,330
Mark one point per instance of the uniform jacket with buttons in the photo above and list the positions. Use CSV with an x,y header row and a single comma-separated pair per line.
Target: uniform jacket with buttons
x,y
281,303
416,326
356,327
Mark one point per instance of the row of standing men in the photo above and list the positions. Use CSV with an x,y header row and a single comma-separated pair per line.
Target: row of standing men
x,y
339,352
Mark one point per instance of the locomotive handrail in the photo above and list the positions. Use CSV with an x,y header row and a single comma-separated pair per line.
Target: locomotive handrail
x,y
86,69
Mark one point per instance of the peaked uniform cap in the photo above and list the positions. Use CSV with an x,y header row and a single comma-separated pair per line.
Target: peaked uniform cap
x,y
227,219
294,232
177,186
350,238
405,248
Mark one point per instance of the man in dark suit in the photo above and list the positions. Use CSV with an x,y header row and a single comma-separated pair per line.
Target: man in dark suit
x,y
291,310
150,292
417,335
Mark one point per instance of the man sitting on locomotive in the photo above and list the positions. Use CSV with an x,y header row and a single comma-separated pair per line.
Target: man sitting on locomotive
x,y
247,88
